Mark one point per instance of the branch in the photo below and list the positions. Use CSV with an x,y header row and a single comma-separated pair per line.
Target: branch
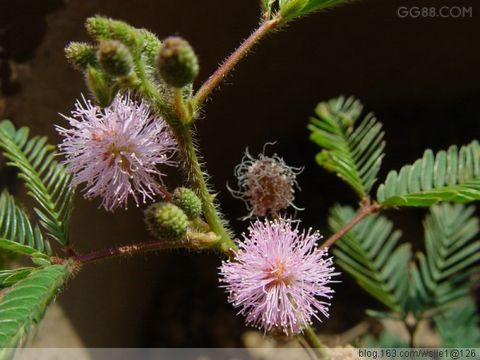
x,y
366,209
233,60
192,241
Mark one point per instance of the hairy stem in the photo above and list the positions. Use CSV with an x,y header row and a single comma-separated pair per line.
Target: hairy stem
x,y
192,241
197,179
366,209
183,132
314,342
216,78
180,105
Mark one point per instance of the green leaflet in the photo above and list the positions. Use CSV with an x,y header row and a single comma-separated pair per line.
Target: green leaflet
x,y
291,9
353,152
452,253
24,304
16,232
459,325
369,253
386,339
10,277
48,181
267,5
452,175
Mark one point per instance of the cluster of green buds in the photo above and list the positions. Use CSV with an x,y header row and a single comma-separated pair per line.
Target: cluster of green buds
x,y
172,220
126,57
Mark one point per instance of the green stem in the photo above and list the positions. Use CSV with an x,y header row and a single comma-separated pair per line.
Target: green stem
x,y
183,134
314,342
180,106
197,180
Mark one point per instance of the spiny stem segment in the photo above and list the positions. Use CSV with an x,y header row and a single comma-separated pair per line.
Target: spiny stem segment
x,y
180,107
367,208
183,134
181,118
192,241
199,183
216,78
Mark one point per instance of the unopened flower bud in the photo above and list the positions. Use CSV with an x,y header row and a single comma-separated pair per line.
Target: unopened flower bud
x,y
114,58
80,55
150,47
188,201
166,221
177,62
102,28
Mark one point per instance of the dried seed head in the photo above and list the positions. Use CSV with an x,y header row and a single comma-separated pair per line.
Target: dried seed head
x,y
266,184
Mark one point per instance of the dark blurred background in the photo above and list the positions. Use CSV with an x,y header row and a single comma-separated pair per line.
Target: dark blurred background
x,y
421,76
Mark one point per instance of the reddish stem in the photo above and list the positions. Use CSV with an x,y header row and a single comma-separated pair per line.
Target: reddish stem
x,y
233,60
128,250
366,209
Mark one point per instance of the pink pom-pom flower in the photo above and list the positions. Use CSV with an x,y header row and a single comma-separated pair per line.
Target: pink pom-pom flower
x,y
278,278
116,150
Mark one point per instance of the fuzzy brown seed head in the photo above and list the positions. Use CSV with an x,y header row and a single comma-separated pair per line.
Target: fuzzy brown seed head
x,y
266,184
269,187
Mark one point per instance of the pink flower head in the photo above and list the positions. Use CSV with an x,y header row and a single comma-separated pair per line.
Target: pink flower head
x,y
279,277
266,184
116,150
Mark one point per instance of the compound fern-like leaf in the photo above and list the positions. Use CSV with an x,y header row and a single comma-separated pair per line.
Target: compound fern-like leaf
x,y
24,304
369,253
452,255
16,232
353,152
452,175
48,181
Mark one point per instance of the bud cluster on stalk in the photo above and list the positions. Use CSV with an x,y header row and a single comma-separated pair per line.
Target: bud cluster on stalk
x,y
124,57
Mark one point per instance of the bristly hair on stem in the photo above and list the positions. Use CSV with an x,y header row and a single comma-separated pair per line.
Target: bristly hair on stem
x,y
193,240
227,66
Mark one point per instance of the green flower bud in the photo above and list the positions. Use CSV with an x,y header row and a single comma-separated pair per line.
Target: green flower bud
x,y
80,55
114,58
177,63
101,28
100,86
150,48
188,201
166,221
